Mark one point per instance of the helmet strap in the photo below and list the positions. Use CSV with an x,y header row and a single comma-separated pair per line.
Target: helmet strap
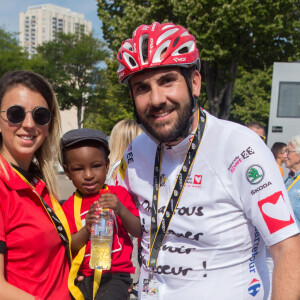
x,y
186,74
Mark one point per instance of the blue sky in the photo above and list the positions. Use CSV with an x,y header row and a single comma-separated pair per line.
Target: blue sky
x,y
10,9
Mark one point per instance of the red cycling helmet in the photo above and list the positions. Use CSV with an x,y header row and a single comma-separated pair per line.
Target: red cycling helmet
x,y
155,46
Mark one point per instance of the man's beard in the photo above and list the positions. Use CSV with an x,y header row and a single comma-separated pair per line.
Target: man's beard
x,y
175,133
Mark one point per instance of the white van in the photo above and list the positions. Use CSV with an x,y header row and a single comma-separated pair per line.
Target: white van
x,y
284,118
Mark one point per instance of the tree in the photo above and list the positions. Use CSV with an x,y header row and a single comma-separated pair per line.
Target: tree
x,y
251,97
252,34
71,63
115,105
11,55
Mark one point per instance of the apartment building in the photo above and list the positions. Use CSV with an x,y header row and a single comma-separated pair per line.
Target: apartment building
x,y
40,23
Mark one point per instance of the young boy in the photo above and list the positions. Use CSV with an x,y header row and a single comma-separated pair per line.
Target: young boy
x,y
85,161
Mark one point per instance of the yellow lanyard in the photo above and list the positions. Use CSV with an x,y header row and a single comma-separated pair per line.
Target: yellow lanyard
x,y
77,261
297,178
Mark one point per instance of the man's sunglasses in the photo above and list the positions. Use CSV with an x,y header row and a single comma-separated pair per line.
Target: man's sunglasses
x,y
16,114
263,137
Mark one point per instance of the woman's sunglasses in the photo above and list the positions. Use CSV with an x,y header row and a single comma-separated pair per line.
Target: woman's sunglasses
x,y
16,114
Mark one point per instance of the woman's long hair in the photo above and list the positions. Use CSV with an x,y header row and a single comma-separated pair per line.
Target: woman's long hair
x,y
121,136
44,156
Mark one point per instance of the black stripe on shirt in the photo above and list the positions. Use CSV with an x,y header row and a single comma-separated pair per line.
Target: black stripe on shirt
x,y
2,247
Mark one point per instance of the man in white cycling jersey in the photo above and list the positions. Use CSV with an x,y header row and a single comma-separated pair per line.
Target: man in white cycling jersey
x,y
209,193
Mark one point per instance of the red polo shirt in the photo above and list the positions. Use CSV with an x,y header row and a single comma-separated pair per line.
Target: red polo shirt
x,y
120,260
35,259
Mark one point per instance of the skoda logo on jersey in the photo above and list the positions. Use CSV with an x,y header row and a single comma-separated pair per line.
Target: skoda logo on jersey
x,y
254,287
255,174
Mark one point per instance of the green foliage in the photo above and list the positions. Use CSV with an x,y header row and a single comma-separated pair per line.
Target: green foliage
x,y
11,56
120,18
115,106
71,63
252,34
251,98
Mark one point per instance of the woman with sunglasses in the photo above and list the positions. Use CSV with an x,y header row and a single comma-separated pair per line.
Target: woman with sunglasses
x,y
34,235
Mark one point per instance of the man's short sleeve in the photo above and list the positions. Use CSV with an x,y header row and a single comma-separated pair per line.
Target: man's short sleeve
x,y
264,197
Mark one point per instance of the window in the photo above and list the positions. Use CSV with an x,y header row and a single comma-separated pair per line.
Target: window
x,y
289,100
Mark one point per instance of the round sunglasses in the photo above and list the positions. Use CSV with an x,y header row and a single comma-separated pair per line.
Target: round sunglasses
x,y
16,114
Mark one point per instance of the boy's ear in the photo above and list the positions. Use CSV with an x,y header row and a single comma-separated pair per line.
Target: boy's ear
x,y
66,170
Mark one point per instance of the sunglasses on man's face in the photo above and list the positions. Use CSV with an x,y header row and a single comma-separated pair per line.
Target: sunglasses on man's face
x,y
16,114
263,137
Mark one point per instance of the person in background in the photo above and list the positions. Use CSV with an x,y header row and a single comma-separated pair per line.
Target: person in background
x,y
122,134
258,128
85,161
292,183
278,150
120,138
34,233
210,193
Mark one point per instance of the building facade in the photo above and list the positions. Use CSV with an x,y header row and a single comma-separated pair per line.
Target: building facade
x,y
40,23
284,119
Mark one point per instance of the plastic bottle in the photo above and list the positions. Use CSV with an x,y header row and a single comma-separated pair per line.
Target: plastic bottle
x,y
101,240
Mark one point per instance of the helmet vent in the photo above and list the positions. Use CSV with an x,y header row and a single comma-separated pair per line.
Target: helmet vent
x,y
183,50
143,44
121,68
185,33
168,26
160,52
175,42
163,52
130,60
128,46
165,35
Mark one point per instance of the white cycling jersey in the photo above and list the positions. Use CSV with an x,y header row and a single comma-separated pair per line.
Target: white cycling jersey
x,y
233,204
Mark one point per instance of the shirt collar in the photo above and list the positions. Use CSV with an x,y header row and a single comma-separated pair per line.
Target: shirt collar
x,y
294,175
13,180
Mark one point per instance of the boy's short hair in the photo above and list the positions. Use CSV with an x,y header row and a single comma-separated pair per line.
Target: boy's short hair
x,y
83,137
